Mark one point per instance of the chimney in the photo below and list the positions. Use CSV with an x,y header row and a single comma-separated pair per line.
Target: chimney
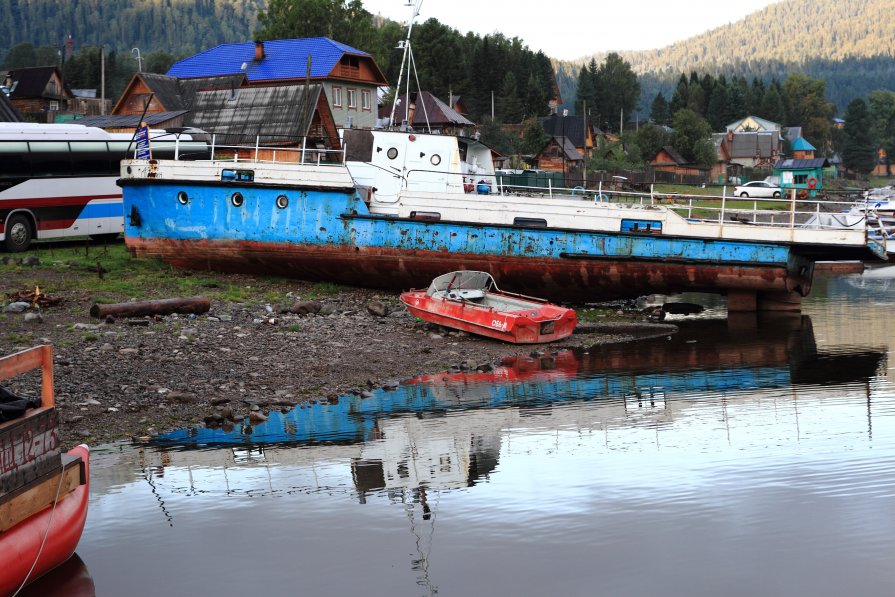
x,y
730,136
259,51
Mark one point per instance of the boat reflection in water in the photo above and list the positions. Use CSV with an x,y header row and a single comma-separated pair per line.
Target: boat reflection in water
x,y
71,579
444,430
459,447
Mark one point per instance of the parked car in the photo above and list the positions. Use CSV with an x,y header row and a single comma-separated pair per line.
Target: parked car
x,y
758,188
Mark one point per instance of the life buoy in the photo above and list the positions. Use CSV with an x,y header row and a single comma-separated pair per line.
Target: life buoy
x,y
812,182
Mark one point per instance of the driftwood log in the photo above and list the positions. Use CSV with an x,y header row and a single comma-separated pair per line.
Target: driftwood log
x,y
187,304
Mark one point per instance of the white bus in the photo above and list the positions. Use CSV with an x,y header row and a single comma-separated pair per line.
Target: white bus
x,y
58,180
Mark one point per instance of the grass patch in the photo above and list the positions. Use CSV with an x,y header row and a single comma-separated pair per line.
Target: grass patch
x,y
293,328
322,289
17,338
592,315
110,274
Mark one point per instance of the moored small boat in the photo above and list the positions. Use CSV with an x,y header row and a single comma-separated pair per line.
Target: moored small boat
x,y
470,301
43,493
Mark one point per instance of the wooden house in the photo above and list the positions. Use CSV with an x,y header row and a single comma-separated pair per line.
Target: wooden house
x,y
424,112
225,106
756,149
669,159
559,154
577,130
38,93
349,77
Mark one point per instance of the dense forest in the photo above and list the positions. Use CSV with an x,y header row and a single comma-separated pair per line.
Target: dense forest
x,y
178,27
848,43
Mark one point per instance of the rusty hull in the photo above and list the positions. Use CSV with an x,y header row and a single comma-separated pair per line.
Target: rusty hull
x,y
557,279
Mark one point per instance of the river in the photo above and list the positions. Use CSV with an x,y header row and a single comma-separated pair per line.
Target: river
x,y
741,456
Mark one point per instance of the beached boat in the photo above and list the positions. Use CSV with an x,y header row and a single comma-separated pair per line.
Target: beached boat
x,y
383,218
470,301
43,493
396,208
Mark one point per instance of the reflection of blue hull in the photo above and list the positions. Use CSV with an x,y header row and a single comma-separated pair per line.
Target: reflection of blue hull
x,y
354,419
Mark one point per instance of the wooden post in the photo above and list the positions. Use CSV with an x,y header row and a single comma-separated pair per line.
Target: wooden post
x,y
190,304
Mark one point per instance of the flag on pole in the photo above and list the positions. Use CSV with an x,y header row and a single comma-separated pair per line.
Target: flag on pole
x,y
144,152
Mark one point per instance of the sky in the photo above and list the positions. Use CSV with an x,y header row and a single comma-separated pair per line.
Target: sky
x,y
569,29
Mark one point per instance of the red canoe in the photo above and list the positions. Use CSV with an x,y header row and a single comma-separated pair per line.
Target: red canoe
x,y
43,495
470,301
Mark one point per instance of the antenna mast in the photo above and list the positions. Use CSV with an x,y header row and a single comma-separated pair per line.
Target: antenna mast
x,y
405,45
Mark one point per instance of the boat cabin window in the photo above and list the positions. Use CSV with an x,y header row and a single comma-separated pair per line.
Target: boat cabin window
x,y
392,153
240,175
435,159
648,226
530,222
433,216
463,147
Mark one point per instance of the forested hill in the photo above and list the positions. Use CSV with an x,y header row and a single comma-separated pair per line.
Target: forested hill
x,y
849,43
178,27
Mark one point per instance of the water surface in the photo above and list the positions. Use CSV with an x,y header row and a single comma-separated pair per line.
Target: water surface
x,y
737,457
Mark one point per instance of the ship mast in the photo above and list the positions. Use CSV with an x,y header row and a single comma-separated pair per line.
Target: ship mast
x,y
407,60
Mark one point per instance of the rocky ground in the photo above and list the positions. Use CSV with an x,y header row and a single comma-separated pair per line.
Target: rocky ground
x,y
118,378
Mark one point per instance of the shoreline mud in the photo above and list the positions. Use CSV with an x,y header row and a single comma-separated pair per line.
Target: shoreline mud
x,y
123,378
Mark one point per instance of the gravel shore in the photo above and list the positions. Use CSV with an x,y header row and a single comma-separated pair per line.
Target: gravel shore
x,y
122,378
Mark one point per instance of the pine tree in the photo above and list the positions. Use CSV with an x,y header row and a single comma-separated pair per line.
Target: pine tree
x,y
858,153
659,112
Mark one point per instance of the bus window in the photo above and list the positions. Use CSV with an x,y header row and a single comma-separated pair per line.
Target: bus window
x,y
91,158
50,158
120,151
14,162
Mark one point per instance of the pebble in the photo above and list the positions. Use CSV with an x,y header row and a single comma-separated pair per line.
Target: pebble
x,y
16,307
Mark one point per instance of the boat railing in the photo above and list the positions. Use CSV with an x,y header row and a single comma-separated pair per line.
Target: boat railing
x,y
790,211
277,153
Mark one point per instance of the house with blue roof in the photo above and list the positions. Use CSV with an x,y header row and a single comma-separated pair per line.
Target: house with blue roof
x,y
349,77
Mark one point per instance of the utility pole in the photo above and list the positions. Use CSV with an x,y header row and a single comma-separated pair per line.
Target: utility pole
x,y
102,80
136,53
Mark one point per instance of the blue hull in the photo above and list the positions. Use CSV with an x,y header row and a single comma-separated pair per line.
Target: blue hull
x,y
331,235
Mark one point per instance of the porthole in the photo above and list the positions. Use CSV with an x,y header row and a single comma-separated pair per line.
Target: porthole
x,y
435,159
237,199
392,153
282,201
183,198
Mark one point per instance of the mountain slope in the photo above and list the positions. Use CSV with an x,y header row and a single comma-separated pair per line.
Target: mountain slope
x,y
850,43
175,26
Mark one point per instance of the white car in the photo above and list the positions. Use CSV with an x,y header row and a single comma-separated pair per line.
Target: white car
x,y
758,188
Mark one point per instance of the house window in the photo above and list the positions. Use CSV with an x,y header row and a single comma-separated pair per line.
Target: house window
x,y
800,179
352,99
365,100
54,106
337,97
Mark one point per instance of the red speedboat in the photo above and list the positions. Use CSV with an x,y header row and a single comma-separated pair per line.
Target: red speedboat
x,y
43,493
470,301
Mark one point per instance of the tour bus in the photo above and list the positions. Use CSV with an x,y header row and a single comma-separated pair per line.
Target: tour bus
x,y
58,180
